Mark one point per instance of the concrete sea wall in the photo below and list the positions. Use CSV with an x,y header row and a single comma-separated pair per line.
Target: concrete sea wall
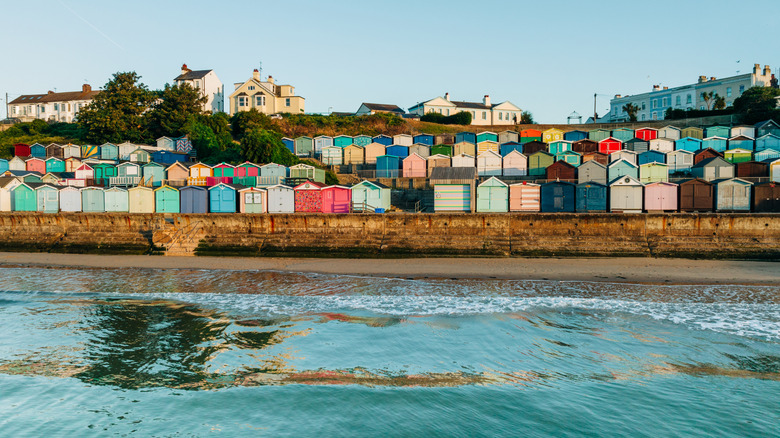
x,y
746,236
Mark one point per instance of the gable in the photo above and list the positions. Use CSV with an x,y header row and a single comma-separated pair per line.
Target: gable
x,y
506,106
244,88
439,101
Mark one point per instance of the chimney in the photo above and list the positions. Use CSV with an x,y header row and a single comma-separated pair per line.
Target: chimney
x,y
712,78
666,88
184,69
270,79
447,97
86,88
656,87
256,75
702,79
486,100
767,70
51,92
618,96
757,69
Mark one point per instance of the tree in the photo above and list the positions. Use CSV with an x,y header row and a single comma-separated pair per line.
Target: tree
x,y
244,121
712,100
720,103
116,113
175,106
757,104
631,110
257,144
526,118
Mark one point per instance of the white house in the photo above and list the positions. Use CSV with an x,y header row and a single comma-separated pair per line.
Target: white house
x,y
209,85
54,107
482,113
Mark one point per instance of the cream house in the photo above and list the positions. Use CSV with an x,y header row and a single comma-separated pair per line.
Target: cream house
x,y
54,107
209,85
265,96
482,113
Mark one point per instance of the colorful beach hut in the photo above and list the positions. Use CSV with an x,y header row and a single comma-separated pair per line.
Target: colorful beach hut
x,y
193,199
403,140
336,199
538,162
489,164
55,165
768,141
304,146
712,169
738,155
354,154
308,197
47,198
584,146
561,170
442,149
679,161
609,145
529,135
382,139
717,131
598,135
692,132
465,136
24,197
742,142
652,156
396,150
514,164
493,196
637,145
420,149
374,150
166,200
414,166
592,171
558,147
766,198
505,148
552,134
508,137
38,150
387,166
93,200
670,132
653,172
464,147
370,196
425,139
661,145
332,155
719,144
575,135
253,200
524,197
647,134
223,198
623,134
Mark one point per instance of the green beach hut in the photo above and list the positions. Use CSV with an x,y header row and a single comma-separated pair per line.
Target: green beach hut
x,y
538,162
93,200
24,198
153,173
493,196
166,200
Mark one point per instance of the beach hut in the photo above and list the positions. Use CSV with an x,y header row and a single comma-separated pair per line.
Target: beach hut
x,y
281,199
732,195
464,160
382,139
53,164
558,197
493,196
584,146
743,131
169,157
166,143
85,172
444,138
591,197
524,197
623,154
414,166
719,144
54,150
570,157
692,132
176,174
403,140
679,161
712,169
538,162
623,134
670,132
17,163
558,147
306,172
437,161
738,155
35,165
464,148
514,164
3,165
696,195
224,170
774,171
651,157
109,151
336,199
766,198
505,148
552,134
71,164
767,155
688,144
529,135
610,145
420,149
103,173
7,184
140,156
426,139
153,174
289,144
397,151
534,146
661,145
93,200
47,198
626,195
354,154
487,136
661,196
70,199
653,172
647,134
768,141
193,199
321,142
71,150
125,149
370,196
487,145
468,137
592,171
24,197
751,169
387,166
342,141
253,200
742,142
454,189
332,155
116,200
561,170
90,151
166,200
223,198
304,146
38,150
575,135
597,156
706,153
128,174
199,174
717,131
489,164
21,150
637,145
308,197
272,174
374,150
442,149
140,199
508,137
597,135
247,169
767,127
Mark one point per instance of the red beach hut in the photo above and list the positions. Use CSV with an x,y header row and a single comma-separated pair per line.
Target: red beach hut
x,y
308,197
609,145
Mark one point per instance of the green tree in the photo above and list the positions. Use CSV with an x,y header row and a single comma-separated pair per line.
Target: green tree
x,y
175,106
257,145
116,113
244,121
757,104
527,118
631,110
720,103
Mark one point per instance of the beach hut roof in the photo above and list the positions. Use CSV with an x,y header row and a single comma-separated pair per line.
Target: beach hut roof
x,y
741,138
453,173
492,181
712,160
309,185
336,186
524,183
366,182
622,161
625,180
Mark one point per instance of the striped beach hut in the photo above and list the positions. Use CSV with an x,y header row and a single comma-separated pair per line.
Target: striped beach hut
x,y
370,196
453,189
414,166
308,197
336,199
493,196
141,200
253,200
223,198
637,145
281,199
529,135
524,197
90,151
515,164
487,145
591,197
116,200
166,200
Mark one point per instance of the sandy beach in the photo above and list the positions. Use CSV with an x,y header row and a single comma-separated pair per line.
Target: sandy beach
x,y
629,270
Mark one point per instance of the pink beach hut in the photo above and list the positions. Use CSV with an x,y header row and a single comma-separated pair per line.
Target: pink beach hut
x,y
524,196
35,165
661,196
414,166
336,199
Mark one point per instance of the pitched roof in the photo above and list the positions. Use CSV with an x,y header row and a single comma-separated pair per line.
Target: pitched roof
x,y
383,107
192,74
438,173
54,97
473,105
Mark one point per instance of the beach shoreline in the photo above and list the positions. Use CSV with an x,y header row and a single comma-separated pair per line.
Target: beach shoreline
x,y
609,270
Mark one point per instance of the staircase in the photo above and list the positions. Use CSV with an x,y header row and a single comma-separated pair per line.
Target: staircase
x,y
180,240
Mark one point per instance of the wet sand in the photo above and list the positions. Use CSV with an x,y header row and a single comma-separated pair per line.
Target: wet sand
x,y
628,270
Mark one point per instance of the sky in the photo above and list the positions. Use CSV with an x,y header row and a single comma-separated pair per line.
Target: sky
x,y
548,57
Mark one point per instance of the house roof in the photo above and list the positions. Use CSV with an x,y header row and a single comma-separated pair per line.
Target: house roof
x,y
54,97
383,107
439,173
192,74
472,105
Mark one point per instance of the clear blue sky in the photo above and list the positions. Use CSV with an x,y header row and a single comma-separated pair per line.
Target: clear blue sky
x,y
548,57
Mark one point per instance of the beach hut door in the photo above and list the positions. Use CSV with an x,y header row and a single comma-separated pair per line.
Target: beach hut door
x,y
558,198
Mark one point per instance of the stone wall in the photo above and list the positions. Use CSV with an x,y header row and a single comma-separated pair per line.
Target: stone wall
x,y
751,236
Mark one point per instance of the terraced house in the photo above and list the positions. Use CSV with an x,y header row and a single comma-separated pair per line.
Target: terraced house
x,y
482,113
265,96
55,107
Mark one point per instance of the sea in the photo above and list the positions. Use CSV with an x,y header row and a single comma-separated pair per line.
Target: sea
x,y
179,353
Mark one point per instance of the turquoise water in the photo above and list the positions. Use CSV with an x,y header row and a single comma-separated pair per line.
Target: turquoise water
x,y
230,353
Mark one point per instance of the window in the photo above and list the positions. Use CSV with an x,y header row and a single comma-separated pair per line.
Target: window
x,y
500,116
655,115
197,84
688,100
56,107
287,102
666,102
643,117
741,89
473,115
655,104
677,101
242,101
728,92
251,87
259,100
43,108
484,115
643,106
448,111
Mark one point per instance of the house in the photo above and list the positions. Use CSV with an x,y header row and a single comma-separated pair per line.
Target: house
x,y
597,135
281,199
591,197
514,164
670,132
370,196
646,134
70,200
696,195
767,141
575,135
308,197
420,149
505,148
743,131
414,166
166,200
403,140
592,171
342,141
354,154
704,154
487,136
609,145
482,113
437,161
332,155
265,96
680,161
651,156
223,198
768,127
738,155
52,107
336,199
751,169
383,139
376,108
528,135
194,199
253,200
558,197
465,136
387,166
320,142
304,146
584,146
561,170
487,145
489,163
717,131
692,132
493,196
374,150
93,200
712,169
398,151
661,196
732,195
524,197
766,198
637,145
538,162
742,142
661,145
508,136
464,148
552,134
140,199
626,195
442,149
621,168
463,160
116,200
558,147
207,84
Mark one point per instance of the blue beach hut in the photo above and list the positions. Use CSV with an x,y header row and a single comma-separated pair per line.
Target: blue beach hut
x,y
93,200
289,144
383,139
651,157
194,199
689,144
768,141
591,197
426,139
109,151
398,151
223,198
387,166
719,144
508,147
468,137
558,197
575,135
38,151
